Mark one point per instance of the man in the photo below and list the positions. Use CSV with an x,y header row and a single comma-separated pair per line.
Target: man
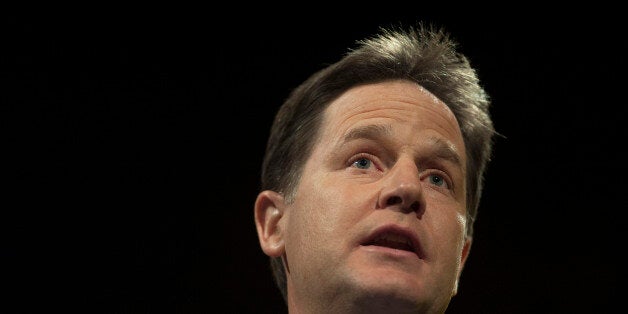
x,y
372,178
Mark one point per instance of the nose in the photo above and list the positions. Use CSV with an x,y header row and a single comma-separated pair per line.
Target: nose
x,y
402,189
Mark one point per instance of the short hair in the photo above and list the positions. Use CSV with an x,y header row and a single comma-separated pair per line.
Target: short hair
x,y
423,54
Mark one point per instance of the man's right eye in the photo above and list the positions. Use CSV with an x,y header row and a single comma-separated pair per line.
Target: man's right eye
x,y
362,163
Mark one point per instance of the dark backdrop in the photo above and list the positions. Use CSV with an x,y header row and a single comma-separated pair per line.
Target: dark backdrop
x,y
133,144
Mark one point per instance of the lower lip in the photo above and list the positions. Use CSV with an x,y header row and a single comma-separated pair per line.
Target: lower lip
x,y
390,251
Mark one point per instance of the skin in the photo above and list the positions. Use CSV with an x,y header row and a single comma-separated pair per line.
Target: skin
x,y
390,155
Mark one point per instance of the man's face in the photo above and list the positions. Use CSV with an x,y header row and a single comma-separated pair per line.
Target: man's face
x,y
379,213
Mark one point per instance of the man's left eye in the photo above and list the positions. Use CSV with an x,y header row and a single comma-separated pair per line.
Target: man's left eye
x,y
437,180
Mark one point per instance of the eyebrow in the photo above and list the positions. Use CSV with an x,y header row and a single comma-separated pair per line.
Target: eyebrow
x,y
441,148
372,131
445,150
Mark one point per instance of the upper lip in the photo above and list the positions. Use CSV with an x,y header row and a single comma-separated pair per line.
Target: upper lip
x,y
398,230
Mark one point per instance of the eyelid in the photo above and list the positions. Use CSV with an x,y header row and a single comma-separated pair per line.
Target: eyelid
x,y
363,155
442,174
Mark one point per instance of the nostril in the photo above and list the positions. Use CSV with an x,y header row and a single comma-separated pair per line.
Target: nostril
x,y
394,200
415,206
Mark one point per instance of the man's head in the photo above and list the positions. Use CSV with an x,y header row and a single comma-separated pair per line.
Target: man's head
x,y
373,174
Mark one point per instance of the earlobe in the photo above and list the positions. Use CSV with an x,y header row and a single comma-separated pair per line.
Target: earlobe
x,y
463,258
269,212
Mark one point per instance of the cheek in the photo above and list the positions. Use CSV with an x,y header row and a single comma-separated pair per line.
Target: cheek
x,y
325,206
450,235
318,221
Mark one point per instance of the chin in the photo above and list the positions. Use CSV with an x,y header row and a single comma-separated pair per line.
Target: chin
x,y
390,284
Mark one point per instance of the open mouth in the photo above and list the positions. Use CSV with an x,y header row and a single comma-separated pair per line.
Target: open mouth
x,y
395,239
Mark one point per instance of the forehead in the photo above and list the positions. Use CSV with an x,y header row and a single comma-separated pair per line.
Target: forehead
x,y
392,102
396,89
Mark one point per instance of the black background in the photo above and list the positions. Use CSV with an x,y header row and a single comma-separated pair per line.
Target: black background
x,y
133,144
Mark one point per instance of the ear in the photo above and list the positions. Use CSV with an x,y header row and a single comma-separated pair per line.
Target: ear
x,y
463,258
269,210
